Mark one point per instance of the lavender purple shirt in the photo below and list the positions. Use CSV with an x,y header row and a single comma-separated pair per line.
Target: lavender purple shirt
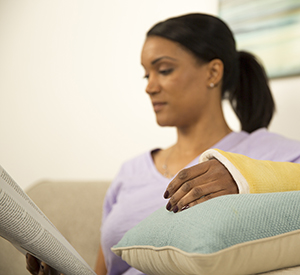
x,y
137,191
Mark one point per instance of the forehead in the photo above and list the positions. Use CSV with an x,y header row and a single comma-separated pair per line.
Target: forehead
x,y
156,47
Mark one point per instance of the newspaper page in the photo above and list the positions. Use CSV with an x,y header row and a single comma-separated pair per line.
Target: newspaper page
x,y
24,225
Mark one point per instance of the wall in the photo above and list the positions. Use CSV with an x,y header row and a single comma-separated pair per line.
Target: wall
x,y
72,103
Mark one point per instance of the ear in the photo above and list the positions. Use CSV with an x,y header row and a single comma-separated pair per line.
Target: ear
x,y
215,73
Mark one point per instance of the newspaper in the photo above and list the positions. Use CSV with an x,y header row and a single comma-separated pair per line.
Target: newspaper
x,y
24,225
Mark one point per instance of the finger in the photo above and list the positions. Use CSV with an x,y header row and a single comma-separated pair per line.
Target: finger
x,y
32,264
209,182
215,179
182,198
208,197
184,176
201,192
188,191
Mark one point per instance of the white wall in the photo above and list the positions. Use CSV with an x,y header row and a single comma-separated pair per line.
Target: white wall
x,y
72,102
287,95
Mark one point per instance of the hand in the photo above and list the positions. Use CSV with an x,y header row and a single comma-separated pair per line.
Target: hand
x,y
36,267
199,183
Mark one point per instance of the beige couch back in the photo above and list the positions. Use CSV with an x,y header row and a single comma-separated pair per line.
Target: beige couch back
x,y
75,208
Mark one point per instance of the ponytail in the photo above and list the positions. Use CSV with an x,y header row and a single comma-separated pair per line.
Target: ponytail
x,y
251,99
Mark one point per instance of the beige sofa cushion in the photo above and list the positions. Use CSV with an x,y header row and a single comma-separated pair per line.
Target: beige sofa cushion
x,y
66,204
75,208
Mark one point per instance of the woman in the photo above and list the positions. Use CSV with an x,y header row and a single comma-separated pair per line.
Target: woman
x,y
191,64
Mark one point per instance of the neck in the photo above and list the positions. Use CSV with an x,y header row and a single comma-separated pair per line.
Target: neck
x,y
189,145
192,140
197,138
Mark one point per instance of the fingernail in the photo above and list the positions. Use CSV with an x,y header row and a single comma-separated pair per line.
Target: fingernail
x,y
175,209
169,206
166,194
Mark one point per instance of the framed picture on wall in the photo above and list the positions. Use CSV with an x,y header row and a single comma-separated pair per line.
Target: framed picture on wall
x,y
270,29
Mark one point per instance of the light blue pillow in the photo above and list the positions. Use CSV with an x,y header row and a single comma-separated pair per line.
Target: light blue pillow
x,y
234,234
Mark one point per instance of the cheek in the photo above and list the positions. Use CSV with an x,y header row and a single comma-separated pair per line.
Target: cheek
x,y
190,87
178,85
193,99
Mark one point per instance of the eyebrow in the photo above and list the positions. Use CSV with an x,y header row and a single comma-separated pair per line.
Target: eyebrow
x,y
162,57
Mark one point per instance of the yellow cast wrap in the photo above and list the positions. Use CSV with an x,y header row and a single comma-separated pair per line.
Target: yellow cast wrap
x,y
265,176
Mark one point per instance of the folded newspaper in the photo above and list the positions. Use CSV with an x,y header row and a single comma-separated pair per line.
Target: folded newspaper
x,y
24,225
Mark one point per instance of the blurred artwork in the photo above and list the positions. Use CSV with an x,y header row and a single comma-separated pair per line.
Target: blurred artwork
x,y
270,29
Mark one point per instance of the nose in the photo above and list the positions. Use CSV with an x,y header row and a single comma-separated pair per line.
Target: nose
x,y
153,85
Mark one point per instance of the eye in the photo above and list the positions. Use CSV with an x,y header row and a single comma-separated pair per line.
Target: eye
x,y
166,72
146,76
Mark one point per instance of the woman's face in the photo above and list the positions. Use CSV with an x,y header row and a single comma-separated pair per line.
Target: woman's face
x,y
177,82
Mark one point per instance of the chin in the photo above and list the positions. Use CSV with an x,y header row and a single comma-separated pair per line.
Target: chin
x,y
164,123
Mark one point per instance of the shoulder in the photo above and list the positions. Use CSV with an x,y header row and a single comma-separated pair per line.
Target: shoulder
x,y
129,175
137,164
262,144
135,169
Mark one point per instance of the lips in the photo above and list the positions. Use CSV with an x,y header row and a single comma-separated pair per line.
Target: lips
x,y
158,106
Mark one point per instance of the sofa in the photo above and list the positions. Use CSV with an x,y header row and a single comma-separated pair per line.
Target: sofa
x,y
75,209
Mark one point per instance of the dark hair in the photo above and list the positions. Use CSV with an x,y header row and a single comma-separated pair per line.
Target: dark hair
x,y
244,83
